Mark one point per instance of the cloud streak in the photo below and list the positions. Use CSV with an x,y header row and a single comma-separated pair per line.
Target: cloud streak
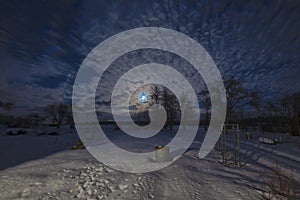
x,y
43,44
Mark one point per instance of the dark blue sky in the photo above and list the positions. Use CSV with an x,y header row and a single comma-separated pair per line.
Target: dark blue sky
x,y
42,43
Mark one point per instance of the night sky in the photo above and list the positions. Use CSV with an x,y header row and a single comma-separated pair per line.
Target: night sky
x,y
43,43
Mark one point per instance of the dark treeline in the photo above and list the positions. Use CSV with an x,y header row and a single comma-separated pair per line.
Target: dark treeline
x,y
245,107
276,115
54,114
252,110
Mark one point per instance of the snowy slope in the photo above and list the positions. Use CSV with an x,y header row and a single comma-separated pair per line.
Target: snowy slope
x,y
76,174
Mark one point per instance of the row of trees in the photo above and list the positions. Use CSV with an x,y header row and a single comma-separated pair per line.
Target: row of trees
x,y
251,108
58,113
237,97
163,96
284,112
244,106
6,106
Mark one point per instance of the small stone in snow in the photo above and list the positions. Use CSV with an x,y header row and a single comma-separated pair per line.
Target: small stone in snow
x,y
89,191
26,192
83,174
66,170
86,184
136,185
109,170
122,187
111,188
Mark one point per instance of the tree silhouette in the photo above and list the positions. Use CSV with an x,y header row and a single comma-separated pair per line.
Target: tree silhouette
x,y
58,112
205,100
289,105
162,95
171,105
237,96
156,93
8,106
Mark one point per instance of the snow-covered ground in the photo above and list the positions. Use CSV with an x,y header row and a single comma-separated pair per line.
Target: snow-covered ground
x,y
285,154
44,167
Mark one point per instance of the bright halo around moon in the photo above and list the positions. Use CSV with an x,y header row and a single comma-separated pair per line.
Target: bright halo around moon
x,y
143,97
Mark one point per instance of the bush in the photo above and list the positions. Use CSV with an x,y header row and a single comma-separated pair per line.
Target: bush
x,y
19,132
54,133
78,145
279,186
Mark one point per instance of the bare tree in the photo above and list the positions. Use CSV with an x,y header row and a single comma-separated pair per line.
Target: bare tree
x,y
35,118
289,110
205,100
237,96
156,93
6,118
163,96
169,101
271,111
7,106
256,101
185,107
69,117
58,112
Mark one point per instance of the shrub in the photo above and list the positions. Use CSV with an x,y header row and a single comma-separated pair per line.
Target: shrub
x,y
78,145
279,186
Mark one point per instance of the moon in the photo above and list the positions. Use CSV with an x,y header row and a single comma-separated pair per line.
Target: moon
x,y
143,97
